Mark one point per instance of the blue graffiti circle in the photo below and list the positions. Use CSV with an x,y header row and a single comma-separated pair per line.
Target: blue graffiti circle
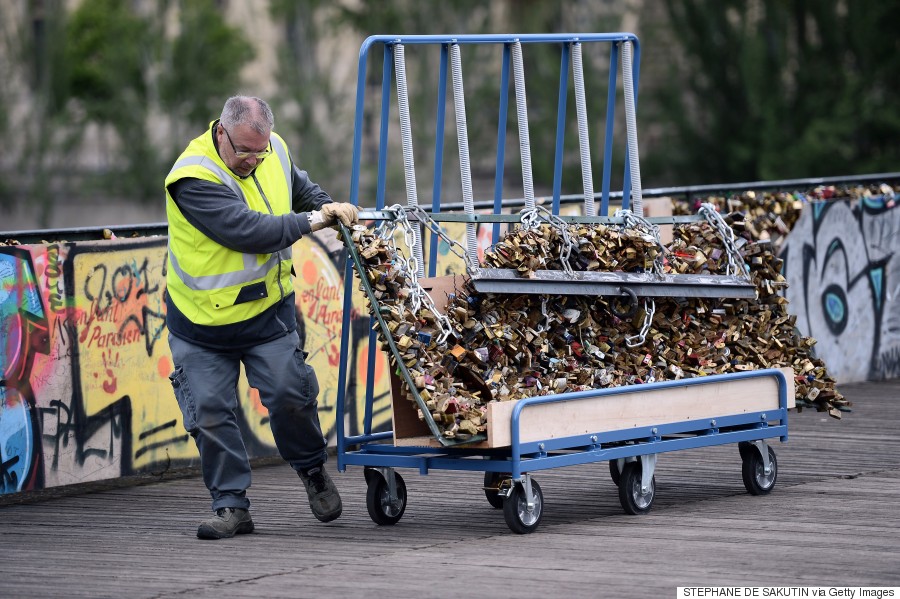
x,y
834,306
16,441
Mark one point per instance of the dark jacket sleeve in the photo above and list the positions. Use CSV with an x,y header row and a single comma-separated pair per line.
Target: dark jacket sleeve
x,y
221,215
307,194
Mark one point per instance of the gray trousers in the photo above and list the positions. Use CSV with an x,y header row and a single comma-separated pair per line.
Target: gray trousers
x,y
205,385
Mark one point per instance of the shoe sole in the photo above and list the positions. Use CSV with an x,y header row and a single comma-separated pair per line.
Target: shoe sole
x,y
206,532
329,517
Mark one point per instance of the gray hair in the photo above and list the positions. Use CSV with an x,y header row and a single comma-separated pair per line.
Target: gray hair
x,y
248,110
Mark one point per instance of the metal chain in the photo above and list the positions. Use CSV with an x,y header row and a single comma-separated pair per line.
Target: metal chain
x,y
712,216
432,225
640,223
418,297
532,218
649,311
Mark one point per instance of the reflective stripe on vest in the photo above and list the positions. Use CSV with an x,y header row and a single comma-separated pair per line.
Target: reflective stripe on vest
x,y
251,272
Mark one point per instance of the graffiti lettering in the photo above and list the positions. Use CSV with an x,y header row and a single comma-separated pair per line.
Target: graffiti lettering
x,y
63,428
8,477
53,272
150,326
888,364
318,299
125,279
100,340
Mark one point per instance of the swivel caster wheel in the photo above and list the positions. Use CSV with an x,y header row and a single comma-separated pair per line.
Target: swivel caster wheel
x,y
753,470
635,500
383,509
518,517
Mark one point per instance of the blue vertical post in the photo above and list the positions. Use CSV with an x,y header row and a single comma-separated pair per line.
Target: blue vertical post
x,y
501,140
348,271
610,122
560,124
438,156
386,78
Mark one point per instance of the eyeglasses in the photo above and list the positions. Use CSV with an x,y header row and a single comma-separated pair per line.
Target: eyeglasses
x,y
242,155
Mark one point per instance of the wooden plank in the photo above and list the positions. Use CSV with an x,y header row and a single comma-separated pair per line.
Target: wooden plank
x,y
622,412
632,410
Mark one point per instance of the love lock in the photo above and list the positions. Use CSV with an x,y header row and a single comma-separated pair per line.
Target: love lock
x,y
628,310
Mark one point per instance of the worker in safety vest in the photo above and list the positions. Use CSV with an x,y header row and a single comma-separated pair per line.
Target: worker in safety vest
x,y
236,203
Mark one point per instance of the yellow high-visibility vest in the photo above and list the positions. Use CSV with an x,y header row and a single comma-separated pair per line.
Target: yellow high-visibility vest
x,y
209,283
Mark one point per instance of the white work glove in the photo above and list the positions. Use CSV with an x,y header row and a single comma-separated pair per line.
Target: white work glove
x,y
332,214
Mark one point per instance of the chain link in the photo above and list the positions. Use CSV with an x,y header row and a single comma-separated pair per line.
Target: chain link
x,y
432,225
736,264
418,297
641,337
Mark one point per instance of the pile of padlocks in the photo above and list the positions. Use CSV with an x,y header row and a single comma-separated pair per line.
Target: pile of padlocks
x,y
486,347
596,248
772,215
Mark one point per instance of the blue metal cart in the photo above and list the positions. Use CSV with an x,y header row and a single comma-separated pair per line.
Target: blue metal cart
x,y
508,470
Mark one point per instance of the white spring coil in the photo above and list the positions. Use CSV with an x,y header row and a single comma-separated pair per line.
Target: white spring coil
x,y
522,114
462,134
409,165
637,204
584,142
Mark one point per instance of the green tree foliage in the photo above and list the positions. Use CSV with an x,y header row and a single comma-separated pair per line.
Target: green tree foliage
x,y
107,87
202,64
109,68
36,45
372,17
305,104
105,75
776,89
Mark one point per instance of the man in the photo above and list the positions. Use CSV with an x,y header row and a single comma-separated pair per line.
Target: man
x,y
236,203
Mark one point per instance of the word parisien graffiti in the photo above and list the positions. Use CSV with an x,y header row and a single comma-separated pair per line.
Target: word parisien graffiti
x,y
85,361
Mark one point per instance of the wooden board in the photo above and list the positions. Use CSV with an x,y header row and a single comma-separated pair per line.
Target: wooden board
x,y
619,412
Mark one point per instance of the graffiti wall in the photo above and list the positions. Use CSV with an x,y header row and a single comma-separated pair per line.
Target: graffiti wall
x,y
85,361
842,262
84,356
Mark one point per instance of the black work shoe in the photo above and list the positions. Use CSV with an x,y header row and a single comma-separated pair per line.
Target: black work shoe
x,y
226,523
324,500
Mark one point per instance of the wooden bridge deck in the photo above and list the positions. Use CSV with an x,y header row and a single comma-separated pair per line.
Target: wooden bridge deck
x,y
833,519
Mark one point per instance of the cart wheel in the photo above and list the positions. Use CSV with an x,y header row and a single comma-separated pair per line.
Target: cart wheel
x,y
630,496
378,500
492,488
753,471
614,471
515,509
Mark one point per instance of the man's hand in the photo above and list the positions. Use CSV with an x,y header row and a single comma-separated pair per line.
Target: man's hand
x,y
346,214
